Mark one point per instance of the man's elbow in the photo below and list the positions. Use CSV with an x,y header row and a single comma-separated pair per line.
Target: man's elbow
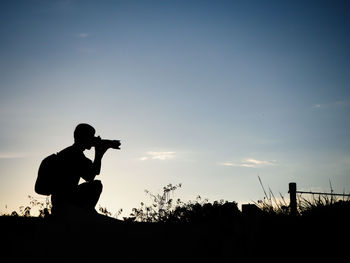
x,y
90,177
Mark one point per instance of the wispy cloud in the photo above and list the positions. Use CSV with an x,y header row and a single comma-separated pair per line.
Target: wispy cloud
x,y
249,163
11,155
158,156
82,35
317,106
334,104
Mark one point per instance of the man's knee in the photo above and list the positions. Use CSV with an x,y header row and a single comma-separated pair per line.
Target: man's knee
x,y
97,186
92,187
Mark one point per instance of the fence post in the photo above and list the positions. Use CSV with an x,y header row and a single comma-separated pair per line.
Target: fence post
x,y
293,198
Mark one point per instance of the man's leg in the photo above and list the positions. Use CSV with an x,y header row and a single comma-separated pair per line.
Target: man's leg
x,y
60,201
88,194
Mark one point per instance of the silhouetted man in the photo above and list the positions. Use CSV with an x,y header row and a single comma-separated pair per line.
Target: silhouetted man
x,y
75,165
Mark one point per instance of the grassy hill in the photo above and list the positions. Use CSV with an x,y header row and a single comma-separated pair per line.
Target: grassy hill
x,y
212,235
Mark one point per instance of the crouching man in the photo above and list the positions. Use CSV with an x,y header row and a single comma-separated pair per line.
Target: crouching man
x,y
73,164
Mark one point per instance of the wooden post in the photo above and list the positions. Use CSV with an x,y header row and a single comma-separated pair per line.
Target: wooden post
x,y
293,198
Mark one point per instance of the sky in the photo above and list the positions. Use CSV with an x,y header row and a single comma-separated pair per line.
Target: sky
x,y
210,94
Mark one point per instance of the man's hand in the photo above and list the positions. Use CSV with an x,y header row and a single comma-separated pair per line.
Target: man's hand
x,y
100,149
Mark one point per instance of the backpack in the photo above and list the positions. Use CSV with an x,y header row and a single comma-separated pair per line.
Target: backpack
x,y
47,175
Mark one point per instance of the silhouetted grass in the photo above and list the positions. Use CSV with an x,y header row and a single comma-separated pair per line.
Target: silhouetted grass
x,y
270,204
166,209
193,231
305,203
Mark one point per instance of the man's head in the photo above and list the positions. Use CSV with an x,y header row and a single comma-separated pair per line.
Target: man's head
x,y
84,135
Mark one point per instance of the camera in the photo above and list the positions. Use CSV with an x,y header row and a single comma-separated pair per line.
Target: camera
x,y
114,144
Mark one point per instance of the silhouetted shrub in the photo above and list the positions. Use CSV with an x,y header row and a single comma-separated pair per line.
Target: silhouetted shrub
x,y
164,209
218,211
43,207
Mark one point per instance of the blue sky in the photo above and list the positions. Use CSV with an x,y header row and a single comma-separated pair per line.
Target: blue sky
x,y
206,93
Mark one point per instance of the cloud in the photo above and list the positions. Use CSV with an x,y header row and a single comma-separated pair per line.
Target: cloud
x,y
11,155
82,35
334,104
228,164
249,163
317,106
158,156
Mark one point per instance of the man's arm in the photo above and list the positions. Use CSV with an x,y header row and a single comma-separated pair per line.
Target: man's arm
x,y
95,166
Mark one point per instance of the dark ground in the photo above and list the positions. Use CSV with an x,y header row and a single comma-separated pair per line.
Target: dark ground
x,y
248,237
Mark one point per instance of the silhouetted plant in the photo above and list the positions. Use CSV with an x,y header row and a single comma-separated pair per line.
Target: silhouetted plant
x,y
104,211
164,209
14,213
24,211
270,204
218,211
118,213
43,207
159,210
320,203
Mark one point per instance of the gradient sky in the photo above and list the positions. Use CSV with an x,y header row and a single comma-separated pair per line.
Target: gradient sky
x,y
209,94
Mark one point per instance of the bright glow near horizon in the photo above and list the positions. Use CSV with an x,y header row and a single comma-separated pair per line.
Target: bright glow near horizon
x,y
207,94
